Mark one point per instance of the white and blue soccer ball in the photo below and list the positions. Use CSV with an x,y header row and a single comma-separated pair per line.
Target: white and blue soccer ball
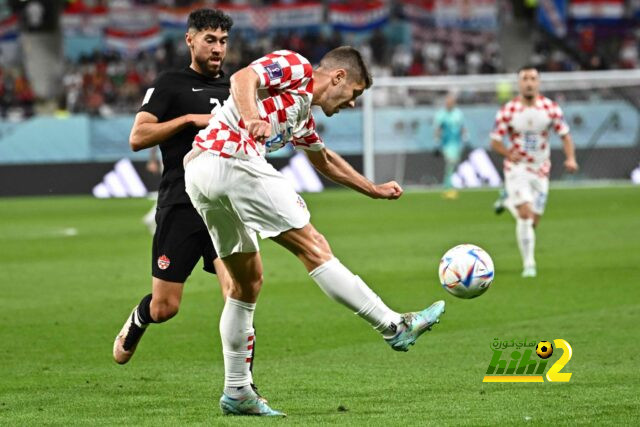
x,y
466,271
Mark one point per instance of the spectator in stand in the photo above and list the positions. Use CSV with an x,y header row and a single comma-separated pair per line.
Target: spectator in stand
x,y
401,60
3,95
378,45
628,56
417,65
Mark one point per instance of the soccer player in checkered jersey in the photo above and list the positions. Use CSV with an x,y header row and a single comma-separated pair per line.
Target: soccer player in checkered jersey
x,y
240,195
528,120
174,109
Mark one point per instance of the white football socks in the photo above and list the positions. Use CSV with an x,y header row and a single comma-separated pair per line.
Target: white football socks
x,y
238,336
526,237
349,290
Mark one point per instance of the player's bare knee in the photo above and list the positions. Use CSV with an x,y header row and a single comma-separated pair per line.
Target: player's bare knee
x,y
308,245
248,289
163,310
316,253
525,212
256,284
322,243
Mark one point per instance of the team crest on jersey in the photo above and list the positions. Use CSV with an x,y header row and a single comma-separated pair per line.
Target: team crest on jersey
x,y
301,203
274,70
163,262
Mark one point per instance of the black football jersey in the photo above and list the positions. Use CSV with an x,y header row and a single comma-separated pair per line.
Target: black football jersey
x,y
174,94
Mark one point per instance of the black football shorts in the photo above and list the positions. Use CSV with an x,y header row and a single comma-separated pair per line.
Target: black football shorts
x,y
181,239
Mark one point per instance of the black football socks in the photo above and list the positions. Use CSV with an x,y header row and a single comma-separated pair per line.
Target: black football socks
x,y
143,313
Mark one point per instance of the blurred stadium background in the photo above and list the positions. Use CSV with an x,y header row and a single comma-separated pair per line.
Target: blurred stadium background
x,y
72,75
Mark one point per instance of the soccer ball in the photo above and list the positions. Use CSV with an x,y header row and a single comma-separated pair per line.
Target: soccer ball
x,y
466,271
544,349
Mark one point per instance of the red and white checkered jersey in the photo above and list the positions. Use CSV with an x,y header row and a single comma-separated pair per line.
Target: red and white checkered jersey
x,y
528,130
284,101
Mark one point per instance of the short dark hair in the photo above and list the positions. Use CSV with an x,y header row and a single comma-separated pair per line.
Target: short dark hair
x,y
204,19
350,59
528,67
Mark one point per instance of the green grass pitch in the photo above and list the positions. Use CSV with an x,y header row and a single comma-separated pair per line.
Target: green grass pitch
x,y
73,268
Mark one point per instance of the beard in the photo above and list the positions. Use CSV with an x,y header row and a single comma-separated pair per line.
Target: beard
x,y
208,69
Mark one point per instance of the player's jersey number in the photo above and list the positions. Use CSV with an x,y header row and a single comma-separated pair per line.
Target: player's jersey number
x,y
530,141
216,104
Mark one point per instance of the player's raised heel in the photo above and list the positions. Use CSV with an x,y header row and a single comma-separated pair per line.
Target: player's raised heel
x,y
127,340
254,405
416,324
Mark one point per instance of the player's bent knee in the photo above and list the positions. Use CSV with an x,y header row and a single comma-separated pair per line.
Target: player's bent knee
x,y
248,290
308,245
317,254
525,212
322,243
163,310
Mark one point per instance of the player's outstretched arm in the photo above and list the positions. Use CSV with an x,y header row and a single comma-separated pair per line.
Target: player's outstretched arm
x,y
333,166
570,163
147,132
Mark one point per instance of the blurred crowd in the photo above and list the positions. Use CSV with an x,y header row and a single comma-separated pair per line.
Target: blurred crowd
x,y
104,84
615,52
446,51
16,95
107,83
98,4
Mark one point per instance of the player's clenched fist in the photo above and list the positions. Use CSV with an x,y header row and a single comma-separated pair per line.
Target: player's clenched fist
x,y
389,190
570,165
258,129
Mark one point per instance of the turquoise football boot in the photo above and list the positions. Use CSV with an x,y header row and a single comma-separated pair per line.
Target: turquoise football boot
x,y
254,405
415,324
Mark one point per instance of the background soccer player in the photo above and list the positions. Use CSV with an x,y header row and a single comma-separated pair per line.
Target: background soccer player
x,y
449,132
239,194
173,110
154,166
527,120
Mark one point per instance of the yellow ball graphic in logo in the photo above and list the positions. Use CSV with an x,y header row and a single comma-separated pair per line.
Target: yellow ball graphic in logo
x,y
544,349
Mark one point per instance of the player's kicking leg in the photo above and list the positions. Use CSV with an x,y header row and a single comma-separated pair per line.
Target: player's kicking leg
x,y
399,330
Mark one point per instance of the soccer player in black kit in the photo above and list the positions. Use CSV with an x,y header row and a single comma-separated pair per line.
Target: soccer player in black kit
x,y
174,109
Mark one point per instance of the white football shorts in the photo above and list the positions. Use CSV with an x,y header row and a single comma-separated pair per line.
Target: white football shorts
x,y
524,186
240,198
